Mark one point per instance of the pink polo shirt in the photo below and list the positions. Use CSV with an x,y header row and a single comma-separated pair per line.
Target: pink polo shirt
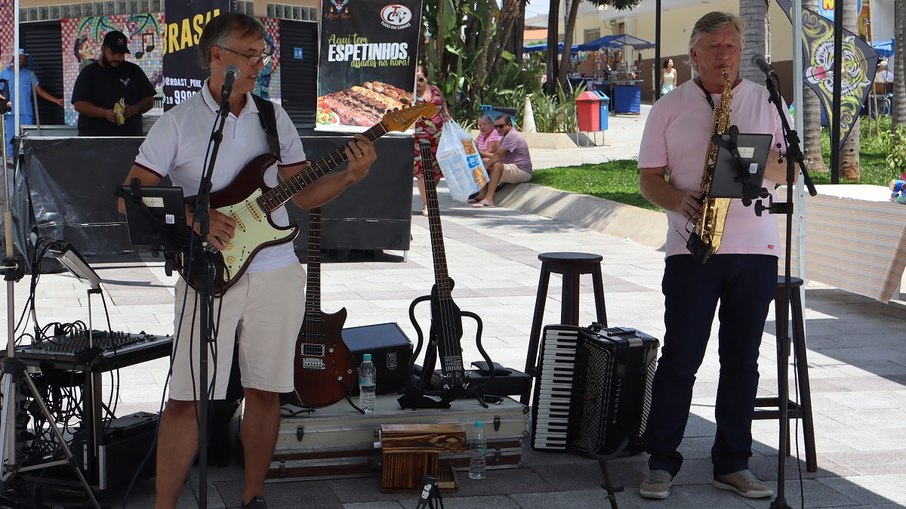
x,y
676,136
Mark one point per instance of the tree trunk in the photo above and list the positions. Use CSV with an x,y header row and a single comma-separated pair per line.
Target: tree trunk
x,y
553,23
566,56
899,64
811,119
755,13
850,166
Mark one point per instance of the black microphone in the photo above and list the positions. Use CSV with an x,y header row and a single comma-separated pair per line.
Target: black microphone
x,y
229,77
763,65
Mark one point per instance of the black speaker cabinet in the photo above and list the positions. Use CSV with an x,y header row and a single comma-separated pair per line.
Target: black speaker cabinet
x,y
126,446
390,351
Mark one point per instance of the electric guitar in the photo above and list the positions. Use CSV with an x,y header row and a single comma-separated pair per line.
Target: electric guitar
x,y
249,201
324,367
444,337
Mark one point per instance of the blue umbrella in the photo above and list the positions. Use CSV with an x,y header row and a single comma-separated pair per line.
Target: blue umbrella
x,y
884,48
543,47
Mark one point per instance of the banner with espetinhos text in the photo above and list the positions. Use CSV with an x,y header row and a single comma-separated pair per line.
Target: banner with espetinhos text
x,y
183,76
367,63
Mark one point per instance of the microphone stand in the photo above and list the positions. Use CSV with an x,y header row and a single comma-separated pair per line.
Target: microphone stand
x,y
203,262
794,158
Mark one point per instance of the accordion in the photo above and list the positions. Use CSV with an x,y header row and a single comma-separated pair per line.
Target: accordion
x,y
593,389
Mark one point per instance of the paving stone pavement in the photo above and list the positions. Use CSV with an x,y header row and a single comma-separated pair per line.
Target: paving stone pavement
x,y
856,360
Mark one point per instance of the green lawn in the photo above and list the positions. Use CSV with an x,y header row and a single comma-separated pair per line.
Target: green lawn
x,y
619,180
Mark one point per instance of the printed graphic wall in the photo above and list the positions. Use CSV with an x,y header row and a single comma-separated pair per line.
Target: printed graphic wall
x,y
82,38
81,45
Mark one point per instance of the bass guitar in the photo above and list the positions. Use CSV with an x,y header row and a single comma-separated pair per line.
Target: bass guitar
x,y
324,370
445,334
249,201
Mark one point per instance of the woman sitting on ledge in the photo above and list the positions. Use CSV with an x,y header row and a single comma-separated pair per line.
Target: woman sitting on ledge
x,y
511,164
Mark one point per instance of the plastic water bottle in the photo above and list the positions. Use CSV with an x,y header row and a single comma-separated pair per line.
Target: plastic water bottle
x,y
478,447
367,383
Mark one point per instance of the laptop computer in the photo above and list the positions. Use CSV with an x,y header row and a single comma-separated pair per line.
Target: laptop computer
x,y
753,153
156,217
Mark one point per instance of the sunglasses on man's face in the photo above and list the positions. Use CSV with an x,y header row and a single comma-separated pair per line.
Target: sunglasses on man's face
x,y
499,126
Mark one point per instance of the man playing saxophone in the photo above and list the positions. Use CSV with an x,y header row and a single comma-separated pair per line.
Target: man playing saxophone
x,y
742,275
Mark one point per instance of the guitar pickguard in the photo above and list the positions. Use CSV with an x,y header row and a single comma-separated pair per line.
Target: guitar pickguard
x,y
253,231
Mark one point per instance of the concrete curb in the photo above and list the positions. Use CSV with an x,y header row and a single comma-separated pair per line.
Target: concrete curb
x,y
639,225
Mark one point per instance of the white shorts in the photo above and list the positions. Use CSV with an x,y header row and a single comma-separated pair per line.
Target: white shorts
x,y
513,175
265,310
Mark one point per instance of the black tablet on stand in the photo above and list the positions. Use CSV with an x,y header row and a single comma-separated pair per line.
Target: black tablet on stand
x,y
156,217
741,177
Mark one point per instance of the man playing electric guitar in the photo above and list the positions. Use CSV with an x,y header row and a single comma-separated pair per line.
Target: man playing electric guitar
x,y
263,304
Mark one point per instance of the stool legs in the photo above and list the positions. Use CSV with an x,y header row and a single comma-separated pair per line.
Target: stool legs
x,y
569,310
531,358
598,283
805,393
802,408
570,266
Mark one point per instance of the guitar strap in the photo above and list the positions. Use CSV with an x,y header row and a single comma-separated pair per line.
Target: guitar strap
x,y
268,118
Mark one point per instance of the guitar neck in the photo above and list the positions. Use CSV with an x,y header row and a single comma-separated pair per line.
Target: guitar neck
x,y
313,278
441,275
276,197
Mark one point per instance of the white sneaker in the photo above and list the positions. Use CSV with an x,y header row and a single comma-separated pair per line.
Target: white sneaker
x,y
656,485
743,483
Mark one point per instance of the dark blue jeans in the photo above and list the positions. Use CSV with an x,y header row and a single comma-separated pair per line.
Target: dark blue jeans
x,y
745,286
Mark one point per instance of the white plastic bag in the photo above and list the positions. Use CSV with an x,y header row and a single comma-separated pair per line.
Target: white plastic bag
x,y
460,162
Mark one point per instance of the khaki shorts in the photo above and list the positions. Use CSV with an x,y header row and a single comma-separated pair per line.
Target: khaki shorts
x,y
267,309
513,175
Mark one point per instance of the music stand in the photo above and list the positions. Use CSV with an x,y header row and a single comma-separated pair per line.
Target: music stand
x,y
77,265
741,159
156,217
67,255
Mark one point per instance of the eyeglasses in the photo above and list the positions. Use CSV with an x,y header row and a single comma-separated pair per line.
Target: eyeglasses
x,y
499,126
264,58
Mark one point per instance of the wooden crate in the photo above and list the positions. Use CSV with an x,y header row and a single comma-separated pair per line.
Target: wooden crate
x,y
411,451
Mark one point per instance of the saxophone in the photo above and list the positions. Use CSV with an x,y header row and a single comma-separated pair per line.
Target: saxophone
x,y
705,238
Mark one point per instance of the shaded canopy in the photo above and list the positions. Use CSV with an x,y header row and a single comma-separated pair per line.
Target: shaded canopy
x,y
543,47
884,48
616,41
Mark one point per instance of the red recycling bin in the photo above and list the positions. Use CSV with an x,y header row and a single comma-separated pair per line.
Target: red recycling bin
x,y
588,112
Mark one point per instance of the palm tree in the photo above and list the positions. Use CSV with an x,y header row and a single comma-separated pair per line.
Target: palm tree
x,y
850,166
811,119
899,65
566,56
755,14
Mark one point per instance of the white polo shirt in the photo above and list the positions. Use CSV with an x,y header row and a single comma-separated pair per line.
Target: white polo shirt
x,y
177,145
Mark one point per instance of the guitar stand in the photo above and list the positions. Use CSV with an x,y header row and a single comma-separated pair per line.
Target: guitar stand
x,y
416,397
607,484
430,493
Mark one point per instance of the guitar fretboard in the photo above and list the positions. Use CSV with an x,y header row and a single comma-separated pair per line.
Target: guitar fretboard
x,y
274,198
441,275
313,285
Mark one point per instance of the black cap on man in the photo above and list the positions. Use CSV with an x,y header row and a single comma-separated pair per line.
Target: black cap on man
x,y
117,42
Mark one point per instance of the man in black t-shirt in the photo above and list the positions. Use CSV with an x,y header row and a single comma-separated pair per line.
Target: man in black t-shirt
x,y
111,94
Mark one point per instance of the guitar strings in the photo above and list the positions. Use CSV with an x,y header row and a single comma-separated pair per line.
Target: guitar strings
x,y
445,306
273,198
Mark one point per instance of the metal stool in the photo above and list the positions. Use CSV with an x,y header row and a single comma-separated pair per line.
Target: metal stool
x,y
802,409
571,266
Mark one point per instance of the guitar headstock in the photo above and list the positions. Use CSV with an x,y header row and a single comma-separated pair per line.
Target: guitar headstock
x,y
400,120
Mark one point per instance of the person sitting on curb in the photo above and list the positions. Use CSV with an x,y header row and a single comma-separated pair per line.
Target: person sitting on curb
x,y
488,139
511,164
